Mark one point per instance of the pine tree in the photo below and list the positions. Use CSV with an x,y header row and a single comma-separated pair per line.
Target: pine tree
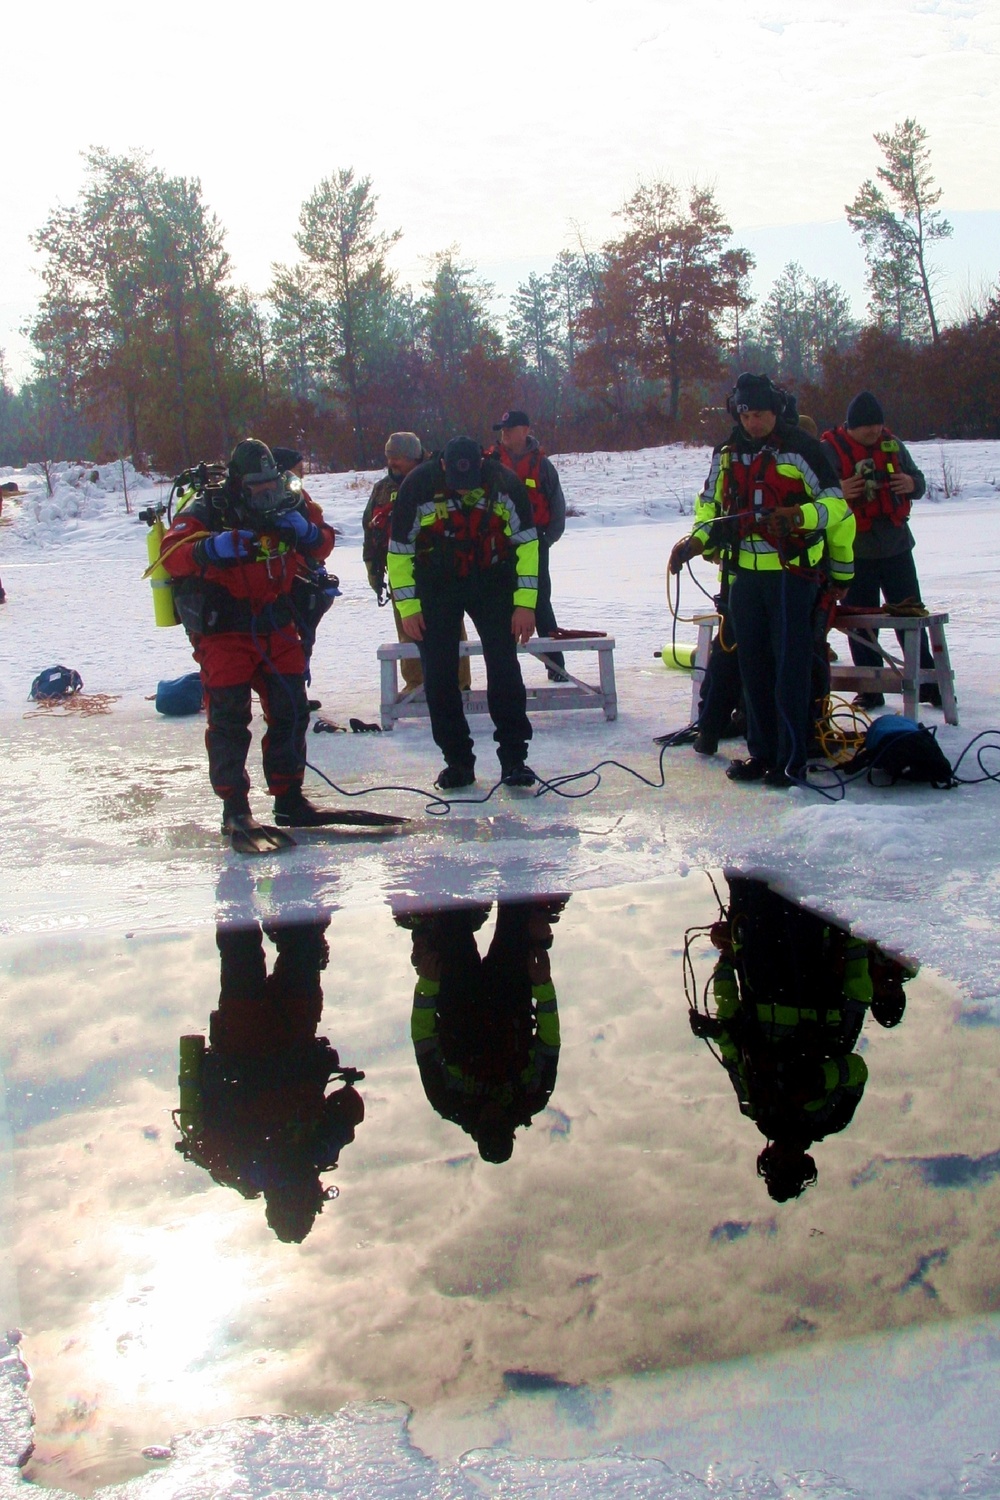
x,y
896,228
352,291
467,374
802,318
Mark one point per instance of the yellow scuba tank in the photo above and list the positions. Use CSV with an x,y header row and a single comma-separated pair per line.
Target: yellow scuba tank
x,y
160,580
678,656
189,1117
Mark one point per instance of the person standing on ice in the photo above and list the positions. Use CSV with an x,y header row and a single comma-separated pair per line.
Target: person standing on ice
x,y
518,450
234,553
403,452
8,491
880,482
463,541
773,500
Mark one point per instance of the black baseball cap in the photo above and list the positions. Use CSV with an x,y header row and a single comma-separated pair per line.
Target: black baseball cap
x,y
286,458
515,418
463,464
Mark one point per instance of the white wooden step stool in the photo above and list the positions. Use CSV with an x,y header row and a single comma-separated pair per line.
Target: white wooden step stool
x,y
895,676
412,704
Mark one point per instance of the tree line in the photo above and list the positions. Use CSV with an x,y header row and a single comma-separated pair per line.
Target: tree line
x,y
145,344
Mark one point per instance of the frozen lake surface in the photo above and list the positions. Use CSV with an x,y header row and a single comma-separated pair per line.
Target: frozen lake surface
x,y
619,1308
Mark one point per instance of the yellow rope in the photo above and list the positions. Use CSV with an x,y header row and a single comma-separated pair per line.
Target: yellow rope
x,y
86,704
841,729
192,536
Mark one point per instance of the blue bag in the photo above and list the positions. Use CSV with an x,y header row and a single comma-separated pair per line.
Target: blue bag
x,y
56,682
904,751
177,696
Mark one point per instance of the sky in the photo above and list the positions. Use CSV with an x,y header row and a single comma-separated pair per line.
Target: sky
x,y
500,130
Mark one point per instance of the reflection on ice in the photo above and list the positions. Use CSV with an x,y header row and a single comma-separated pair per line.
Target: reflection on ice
x,y
541,1199
790,994
254,1108
485,1028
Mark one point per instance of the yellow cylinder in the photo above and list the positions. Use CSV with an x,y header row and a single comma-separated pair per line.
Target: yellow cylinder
x,y
678,656
190,1059
159,579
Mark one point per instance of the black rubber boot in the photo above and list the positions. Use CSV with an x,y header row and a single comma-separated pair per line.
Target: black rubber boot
x,y
294,810
234,807
454,777
778,778
747,770
520,775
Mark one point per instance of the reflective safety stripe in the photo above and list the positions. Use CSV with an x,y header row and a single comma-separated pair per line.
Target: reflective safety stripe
x,y
791,1015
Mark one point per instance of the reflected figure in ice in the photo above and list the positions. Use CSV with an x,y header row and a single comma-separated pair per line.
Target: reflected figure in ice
x,y
485,1028
254,1109
790,993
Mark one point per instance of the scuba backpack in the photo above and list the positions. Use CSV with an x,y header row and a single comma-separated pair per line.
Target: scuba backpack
x,y
904,751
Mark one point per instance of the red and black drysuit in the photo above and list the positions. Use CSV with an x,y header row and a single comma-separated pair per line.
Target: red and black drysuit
x,y
242,624
266,1124
548,506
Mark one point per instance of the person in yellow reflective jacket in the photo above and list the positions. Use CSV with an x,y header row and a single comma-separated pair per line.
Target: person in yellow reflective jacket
x,y
463,541
790,993
485,1028
772,510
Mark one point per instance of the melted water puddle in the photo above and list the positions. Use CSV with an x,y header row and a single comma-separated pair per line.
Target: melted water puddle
x,y
546,1172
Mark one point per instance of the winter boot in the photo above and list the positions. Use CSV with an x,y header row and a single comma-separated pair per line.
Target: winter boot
x,y
453,777
293,809
519,775
750,769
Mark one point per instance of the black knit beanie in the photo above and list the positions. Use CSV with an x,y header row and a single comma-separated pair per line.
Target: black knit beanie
x,y
864,411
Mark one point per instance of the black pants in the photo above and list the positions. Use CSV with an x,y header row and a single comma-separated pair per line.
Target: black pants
x,y
773,619
895,578
720,688
545,620
283,749
487,598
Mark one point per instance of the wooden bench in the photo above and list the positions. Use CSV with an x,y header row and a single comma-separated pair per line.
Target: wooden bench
x,y
894,676
412,704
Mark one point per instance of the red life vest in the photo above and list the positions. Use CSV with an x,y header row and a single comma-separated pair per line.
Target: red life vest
x,y
529,470
752,489
878,499
466,538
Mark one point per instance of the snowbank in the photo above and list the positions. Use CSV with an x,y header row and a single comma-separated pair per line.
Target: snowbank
x,y
81,492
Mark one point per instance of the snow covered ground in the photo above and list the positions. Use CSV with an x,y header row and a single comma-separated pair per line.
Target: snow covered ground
x,y
109,824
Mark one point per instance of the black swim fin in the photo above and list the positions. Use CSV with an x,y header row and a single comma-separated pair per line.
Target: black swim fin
x,y
247,836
